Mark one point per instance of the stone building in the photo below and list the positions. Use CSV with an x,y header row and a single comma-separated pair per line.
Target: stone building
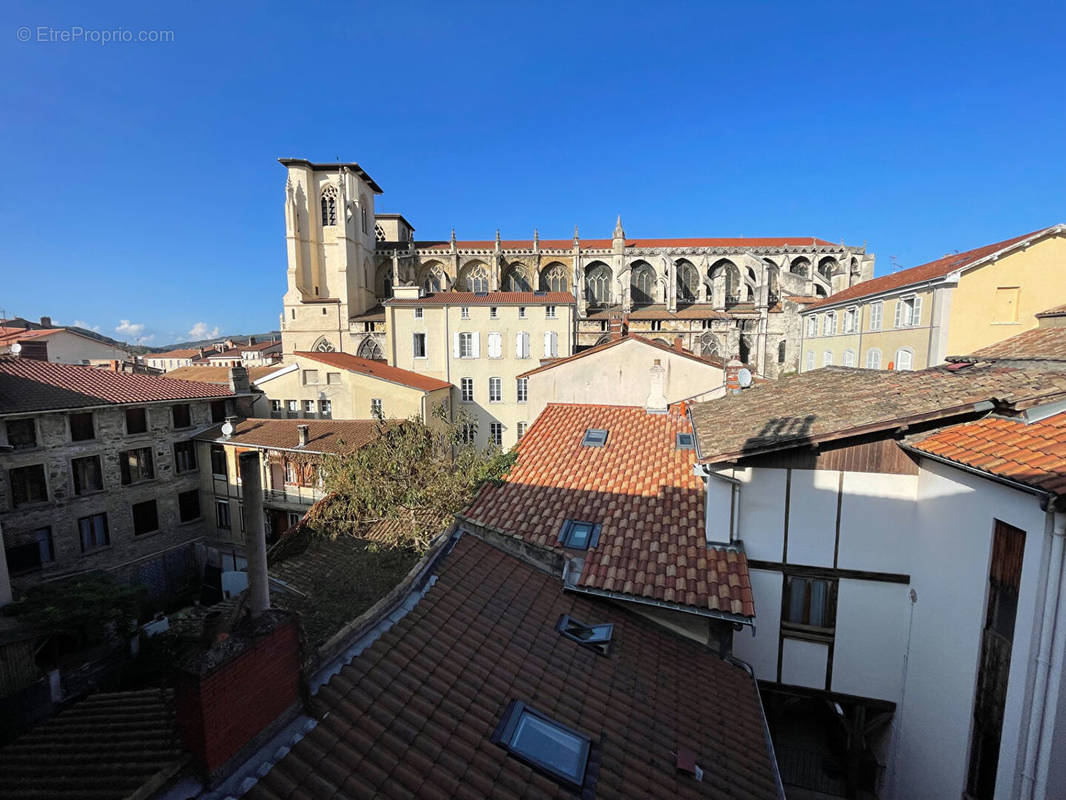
x,y
723,296
98,471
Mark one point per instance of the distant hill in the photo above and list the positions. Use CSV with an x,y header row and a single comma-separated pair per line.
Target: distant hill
x,y
238,337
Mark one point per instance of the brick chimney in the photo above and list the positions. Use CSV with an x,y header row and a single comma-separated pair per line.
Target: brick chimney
x,y
616,327
732,375
304,432
656,402
46,322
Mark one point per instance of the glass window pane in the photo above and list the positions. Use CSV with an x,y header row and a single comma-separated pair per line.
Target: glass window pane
x,y
797,594
579,535
551,746
819,594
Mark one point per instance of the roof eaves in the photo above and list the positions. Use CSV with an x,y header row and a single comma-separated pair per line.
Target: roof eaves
x,y
711,613
915,448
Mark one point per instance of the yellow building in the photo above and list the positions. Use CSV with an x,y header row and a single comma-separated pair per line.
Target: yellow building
x,y
952,306
343,386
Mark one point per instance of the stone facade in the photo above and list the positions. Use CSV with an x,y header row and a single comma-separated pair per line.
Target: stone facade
x,y
724,297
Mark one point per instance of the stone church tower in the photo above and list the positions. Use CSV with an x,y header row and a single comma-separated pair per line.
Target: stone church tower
x,y
329,236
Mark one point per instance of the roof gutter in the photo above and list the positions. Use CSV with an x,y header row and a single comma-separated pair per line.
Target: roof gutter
x,y
726,616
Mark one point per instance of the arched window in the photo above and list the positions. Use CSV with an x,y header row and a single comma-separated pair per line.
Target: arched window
x,y
329,205
828,267
516,279
873,359
725,275
800,266
904,359
781,352
475,278
642,284
369,348
554,278
688,282
598,285
708,345
435,280
849,358
323,345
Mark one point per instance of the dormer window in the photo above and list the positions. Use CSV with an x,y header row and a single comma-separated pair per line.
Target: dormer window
x,y
329,205
594,437
595,637
685,441
578,535
544,744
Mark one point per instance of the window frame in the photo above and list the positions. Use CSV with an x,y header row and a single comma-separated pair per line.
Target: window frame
x,y
506,733
566,534
155,512
806,629
43,545
106,532
496,383
466,344
496,433
81,415
466,396
549,312
126,468
416,338
227,525
685,441
218,451
521,390
29,501
592,438
376,410
187,410
75,478
181,509
600,644
144,416
877,315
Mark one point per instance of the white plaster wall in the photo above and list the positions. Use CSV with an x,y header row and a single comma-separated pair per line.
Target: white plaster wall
x,y
719,506
69,348
760,650
803,663
812,517
871,638
876,522
949,570
762,513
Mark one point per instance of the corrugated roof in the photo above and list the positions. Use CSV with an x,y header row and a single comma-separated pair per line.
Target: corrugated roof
x,y
640,487
337,436
413,715
29,385
376,369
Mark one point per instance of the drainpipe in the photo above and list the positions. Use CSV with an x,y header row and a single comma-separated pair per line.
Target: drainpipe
x,y
1046,684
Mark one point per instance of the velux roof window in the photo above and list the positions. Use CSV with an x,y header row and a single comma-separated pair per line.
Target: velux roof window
x,y
594,437
543,743
685,441
579,535
595,637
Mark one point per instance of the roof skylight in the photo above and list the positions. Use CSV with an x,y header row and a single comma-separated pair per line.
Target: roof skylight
x,y
594,437
544,744
595,637
685,441
579,535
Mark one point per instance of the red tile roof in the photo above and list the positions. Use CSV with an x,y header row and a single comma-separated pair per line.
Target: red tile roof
x,y
926,272
488,299
9,335
376,369
1033,454
640,487
218,375
413,715
706,361
1036,344
187,352
324,435
1057,311
735,242
29,385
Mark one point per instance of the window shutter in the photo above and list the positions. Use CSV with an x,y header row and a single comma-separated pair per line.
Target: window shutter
x,y
495,345
899,313
475,339
455,345
522,345
916,317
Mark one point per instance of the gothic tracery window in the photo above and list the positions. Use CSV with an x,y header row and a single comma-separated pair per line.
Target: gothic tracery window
x,y
688,282
369,348
642,284
554,279
708,345
436,280
800,266
516,280
476,279
323,345
598,285
329,205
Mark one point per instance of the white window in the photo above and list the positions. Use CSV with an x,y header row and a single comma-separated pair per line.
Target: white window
x,y
325,407
468,432
419,313
309,406
904,359
908,312
464,312
275,407
829,324
551,344
877,311
849,358
495,390
466,387
521,429
521,312
375,408
522,389
496,433
812,325
419,345
492,312
466,345
827,359
850,315
549,312
310,377
521,349
873,359
810,359
495,345
294,407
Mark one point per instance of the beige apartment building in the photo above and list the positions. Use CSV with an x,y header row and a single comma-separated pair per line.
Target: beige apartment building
x,y
320,385
952,306
481,343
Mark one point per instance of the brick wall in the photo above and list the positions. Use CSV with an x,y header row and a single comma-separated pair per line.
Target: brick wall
x,y
223,710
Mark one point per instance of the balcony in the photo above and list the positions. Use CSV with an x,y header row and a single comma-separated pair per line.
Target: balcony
x,y
292,495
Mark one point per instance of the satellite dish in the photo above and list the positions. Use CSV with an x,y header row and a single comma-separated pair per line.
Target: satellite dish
x,y
16,348
227,429
744,377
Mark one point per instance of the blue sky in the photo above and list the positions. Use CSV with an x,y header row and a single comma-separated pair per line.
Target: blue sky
x,y
143,197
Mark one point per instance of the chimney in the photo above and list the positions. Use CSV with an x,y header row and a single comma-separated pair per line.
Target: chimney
x,y
304,432
238,380
46,322
615,328
732,375
258,586
113,365
251,340
677,344
656,403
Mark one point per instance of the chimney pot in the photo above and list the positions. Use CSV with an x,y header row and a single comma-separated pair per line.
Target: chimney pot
x,y
305,432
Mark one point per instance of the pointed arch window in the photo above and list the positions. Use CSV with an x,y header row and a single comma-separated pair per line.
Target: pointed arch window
x,y
708,345
688,282
516,280
476,279
323,345
642,285
370,349
436,280
554,279
598,286
800,266
329,205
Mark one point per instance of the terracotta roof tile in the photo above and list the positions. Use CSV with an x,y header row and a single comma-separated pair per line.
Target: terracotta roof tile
x,y
925,272
736,242
376,369
1037,344
218,375
638,486
1057,311
29,385
706,360
324,435
484,634
832,402
1030,453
